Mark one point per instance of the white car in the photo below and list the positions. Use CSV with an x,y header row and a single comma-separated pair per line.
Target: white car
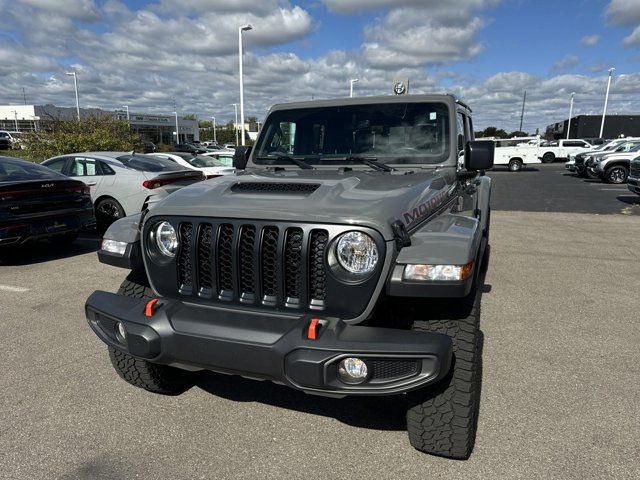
x,y
123,183
562,149
208,164
515,152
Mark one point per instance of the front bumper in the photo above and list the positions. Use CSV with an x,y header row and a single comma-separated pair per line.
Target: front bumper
x,y
271,347
634,184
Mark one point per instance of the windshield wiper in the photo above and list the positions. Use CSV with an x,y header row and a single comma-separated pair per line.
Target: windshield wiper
x,y
370,161
287,158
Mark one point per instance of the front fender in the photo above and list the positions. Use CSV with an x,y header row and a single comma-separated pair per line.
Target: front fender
x,y
125,230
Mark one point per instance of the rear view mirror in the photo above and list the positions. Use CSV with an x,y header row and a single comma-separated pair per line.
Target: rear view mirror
x,y
479,155
241,157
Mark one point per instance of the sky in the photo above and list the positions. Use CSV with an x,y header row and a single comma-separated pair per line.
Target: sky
x,y
145,54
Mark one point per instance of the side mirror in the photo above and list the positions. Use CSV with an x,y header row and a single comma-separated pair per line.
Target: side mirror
x,y
241,157
478,155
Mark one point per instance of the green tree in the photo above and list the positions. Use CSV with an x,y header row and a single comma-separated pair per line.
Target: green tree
x,y
99,133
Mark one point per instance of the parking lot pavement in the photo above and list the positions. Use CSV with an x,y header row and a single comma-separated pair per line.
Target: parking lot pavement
x,y
551,188
559,394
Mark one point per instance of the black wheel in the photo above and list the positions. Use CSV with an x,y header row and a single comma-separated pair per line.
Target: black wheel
x,y
548,157
616,174
108,210
64,239
140,373
442,419
589,174
515,164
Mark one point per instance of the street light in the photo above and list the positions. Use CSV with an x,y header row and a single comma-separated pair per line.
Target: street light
x,y
15,117
244,28
75,84
606,100
235,106
177,131
126,107
215,140
570,114
352,81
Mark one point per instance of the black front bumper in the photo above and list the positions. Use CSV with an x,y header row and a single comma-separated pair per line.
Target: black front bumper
x,y
272,347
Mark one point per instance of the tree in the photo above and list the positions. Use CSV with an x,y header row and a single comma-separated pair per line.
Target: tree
x,y
103,133
494,132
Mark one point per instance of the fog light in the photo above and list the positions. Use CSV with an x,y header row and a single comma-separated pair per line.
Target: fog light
x,y
121,331
352,370
113,246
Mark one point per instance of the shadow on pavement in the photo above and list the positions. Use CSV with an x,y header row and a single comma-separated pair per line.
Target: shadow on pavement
x,y
44,251
629,199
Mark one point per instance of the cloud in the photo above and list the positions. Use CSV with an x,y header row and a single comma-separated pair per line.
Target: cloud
x,y
84,10
590,40
352,6
626,13
565,63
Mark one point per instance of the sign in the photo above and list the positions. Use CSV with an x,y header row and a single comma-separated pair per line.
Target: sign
x,y
401,86
150,119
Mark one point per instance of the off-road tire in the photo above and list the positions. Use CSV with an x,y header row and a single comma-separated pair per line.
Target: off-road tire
x,y
442,419
515,165
548,157
140,373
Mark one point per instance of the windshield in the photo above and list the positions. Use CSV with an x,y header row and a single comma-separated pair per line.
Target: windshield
x,y
147,163
201,161
394,133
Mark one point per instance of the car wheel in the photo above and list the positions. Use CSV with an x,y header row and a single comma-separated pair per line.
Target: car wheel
x,y
108,211
590,174
515,165
548,157
616,174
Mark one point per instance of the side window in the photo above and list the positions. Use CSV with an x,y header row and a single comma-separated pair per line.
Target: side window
x,y
106,169
83,167
461,131
57,165
470,132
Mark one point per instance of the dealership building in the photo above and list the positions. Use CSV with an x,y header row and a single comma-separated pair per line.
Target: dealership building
x,y
151,127
588,126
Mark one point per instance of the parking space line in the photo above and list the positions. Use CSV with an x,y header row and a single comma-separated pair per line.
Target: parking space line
x,y
614,189
11,289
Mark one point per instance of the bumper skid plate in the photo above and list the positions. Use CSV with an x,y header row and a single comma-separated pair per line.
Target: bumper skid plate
x,y
272,347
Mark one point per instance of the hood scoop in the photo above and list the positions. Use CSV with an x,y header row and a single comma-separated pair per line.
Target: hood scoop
x,y
273,187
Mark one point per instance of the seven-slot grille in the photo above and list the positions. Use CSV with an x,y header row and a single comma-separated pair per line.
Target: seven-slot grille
x,y
259,265
634,170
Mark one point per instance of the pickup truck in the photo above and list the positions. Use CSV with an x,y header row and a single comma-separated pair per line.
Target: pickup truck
x,y
562,149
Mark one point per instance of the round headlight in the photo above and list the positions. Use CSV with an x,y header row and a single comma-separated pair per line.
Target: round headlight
x,y
166,239
357,252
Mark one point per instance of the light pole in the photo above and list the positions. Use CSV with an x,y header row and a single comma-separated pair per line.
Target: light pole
x,y
606,100
570,114
235,106
241,29
15,118
351,82
75,84
215,140
126,107
177,131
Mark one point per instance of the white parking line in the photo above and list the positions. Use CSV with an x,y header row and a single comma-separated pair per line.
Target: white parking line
x,y
614,189
9,288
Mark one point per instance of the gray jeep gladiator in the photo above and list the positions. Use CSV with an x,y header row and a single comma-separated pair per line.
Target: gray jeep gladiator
x,y
344,257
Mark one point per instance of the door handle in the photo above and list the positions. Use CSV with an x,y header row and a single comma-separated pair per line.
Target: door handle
x,y
91,184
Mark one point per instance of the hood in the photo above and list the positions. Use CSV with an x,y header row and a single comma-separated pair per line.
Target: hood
x,y
359,197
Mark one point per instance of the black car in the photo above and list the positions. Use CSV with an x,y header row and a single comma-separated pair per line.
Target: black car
x,y
36,202
5,141
189,148
148,147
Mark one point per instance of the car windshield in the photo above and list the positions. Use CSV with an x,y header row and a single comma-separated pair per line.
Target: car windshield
x,y
201,161
17,170
147,163
394,133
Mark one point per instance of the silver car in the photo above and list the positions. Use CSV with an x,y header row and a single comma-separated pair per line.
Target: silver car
x,y
123,183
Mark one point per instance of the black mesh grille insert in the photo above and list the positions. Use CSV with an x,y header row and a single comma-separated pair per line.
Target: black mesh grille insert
x,y
634,171
247,241
317,273
392,369
292,263
184,255
205,273
225,258
269,251
265,187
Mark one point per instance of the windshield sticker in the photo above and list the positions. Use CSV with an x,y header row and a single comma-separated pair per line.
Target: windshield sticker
x,y
423,210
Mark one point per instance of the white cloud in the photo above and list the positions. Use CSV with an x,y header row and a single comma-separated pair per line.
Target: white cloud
x,y
590,40
351,6
626,13
84,10
565,63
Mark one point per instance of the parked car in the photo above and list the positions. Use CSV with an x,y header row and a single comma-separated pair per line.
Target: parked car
x,y
123,183
592,158
576,161
225,157
633,180
560,149
189,148
5,140
209,165
37,203
148,147
229,146
514,153
614,167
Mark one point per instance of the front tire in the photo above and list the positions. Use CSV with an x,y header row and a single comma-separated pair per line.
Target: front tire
x,y
616,174
548,157
442,419
140,373
515,165
591,175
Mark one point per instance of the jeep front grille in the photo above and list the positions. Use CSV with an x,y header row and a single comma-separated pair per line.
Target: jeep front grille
x,y
634,170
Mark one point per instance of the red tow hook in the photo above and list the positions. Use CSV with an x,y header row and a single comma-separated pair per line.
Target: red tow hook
x,y
314,329
151,307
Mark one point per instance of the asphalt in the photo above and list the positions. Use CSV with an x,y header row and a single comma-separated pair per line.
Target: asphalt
x,y
559,396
